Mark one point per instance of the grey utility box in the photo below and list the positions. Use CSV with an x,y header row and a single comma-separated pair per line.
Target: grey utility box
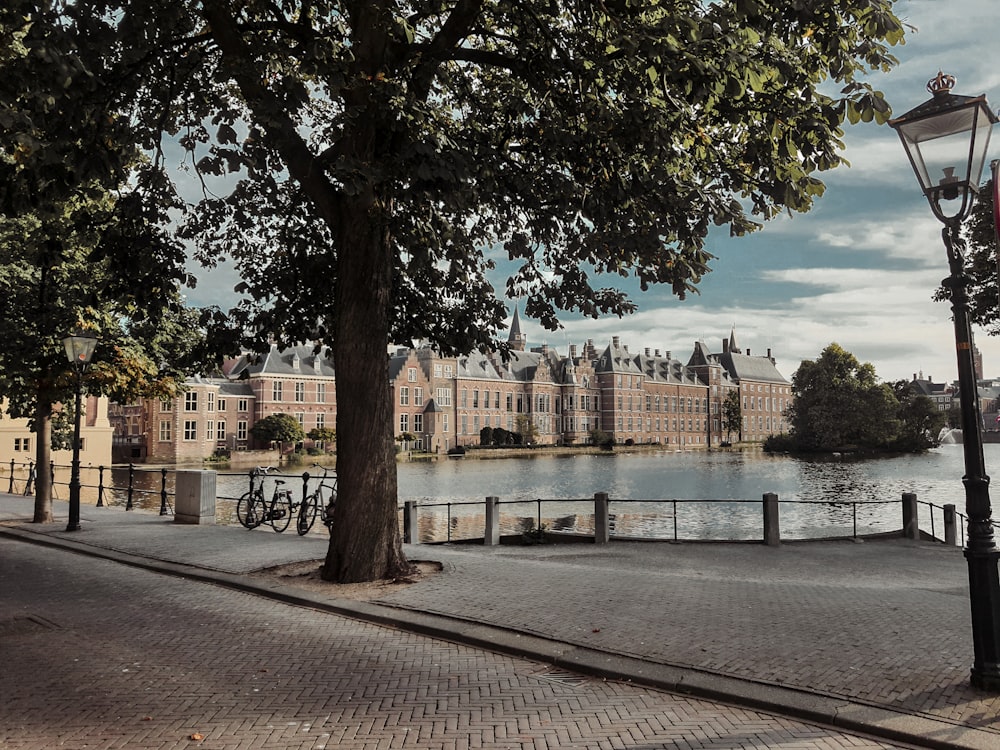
x,y
194,497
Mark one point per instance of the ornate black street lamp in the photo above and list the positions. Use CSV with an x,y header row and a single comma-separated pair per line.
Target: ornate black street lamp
x,y
946,139
79,349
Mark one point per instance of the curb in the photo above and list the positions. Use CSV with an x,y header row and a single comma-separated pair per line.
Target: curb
x,y
830,710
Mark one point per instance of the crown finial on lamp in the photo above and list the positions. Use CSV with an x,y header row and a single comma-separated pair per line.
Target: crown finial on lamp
x,y
941,84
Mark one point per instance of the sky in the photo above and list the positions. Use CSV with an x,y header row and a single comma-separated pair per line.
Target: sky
x,y
860,269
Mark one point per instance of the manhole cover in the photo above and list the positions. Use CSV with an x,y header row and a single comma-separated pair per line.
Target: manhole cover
x,y
25,625
561,676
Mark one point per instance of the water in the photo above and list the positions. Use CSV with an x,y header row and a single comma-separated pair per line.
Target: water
x,y
820,497
830,496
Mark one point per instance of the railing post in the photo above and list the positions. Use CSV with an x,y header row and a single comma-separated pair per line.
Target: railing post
x,y
100,486
131,486
10,487
163,493
410,535
602,527
772,524
950,525
911,526
491,535
31,478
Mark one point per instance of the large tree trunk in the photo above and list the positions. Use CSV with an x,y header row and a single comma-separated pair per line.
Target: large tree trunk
x,y
365,543
43,456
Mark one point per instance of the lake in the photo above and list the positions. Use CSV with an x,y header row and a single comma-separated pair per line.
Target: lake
x,y
828,496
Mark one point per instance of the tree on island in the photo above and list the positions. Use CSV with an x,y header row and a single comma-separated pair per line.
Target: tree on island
x,y
277,428
840,405
359,158
732,414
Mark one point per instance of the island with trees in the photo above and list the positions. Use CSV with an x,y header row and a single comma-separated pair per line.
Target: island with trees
x,y
840,405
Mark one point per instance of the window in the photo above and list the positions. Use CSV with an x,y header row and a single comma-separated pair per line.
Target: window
x,y
191,401
276,390
465,398
190,429
220,430
165,430
443,396
447,371
241,430
22,444
210,398
437,370
475,399
320,421
418,422
300,392
444,422
411,375
210,430
221,405
418,396
404,423
166,405
321,393
496,400
300,417
242,406
404,396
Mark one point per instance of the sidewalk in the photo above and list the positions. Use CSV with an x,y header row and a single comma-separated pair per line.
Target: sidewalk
x,y
872,637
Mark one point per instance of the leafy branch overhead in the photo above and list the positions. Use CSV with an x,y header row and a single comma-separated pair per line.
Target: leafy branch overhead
x,y
573,140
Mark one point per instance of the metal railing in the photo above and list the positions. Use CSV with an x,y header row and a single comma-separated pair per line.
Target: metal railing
x,y
675,520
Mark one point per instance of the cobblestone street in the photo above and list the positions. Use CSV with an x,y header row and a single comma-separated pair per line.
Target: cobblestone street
x,y
101,655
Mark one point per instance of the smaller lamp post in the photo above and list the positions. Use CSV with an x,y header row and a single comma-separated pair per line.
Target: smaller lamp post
x,y
946,139
79,349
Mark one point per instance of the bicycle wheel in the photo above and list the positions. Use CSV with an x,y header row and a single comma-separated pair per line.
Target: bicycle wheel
x,y
249,511
281,512
307,515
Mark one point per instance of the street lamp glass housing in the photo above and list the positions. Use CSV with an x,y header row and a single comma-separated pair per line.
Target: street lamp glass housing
x,y
946,139
80,348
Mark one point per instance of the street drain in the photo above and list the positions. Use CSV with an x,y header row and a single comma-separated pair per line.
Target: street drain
x,y
561,676
26,625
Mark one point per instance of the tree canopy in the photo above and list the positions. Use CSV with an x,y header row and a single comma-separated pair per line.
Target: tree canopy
x,y
277,428
366,162
982,263
840,404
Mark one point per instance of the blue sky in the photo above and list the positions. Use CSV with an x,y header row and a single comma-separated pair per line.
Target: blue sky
x,y
859,269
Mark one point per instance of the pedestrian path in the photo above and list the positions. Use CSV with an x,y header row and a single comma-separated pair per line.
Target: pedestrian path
x,y
871,637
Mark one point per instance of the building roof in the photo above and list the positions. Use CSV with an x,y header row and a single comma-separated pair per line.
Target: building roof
x,y
300,359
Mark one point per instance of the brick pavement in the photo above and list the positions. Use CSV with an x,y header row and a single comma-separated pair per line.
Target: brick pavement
x,y
872,636
97,655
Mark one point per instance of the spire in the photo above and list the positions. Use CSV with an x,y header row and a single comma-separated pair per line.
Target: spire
x,y
516,339
732,341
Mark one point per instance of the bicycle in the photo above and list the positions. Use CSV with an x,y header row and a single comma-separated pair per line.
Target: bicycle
x,y
309,507
254,509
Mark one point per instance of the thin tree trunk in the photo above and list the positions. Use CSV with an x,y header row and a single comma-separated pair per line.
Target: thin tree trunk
x,y
43,456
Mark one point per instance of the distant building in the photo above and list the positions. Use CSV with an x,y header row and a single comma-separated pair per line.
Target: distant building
x,y
443,402
17,442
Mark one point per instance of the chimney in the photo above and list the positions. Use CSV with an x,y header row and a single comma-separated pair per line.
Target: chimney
x,y
748,352
725,346
657,353
769,353
572,351
615,342
648,350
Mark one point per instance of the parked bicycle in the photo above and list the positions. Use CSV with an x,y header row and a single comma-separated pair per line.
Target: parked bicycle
x,y
324,496
254,509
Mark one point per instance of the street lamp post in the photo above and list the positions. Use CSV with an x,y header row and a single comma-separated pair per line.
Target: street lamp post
x,y
946,139
79,350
